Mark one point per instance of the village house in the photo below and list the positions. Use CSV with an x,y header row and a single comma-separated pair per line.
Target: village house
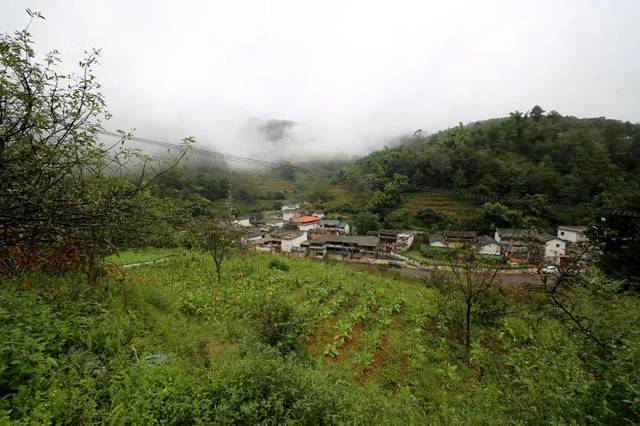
x,y
575,234
554,247
516,251
306,223
341,246
333,226
460,237
252,235
270,222
437,241
283,241
242,220
488,246
505,235
289,211
396,238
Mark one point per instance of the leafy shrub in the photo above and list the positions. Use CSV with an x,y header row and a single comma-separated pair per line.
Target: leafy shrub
x,y
277,322
197,303
264,388
490,307
162,394
279,265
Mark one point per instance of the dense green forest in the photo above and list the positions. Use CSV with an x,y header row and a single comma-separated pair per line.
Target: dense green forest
x,y
563,158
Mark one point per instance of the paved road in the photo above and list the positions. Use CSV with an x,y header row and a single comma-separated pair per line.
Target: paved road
x,y
506,278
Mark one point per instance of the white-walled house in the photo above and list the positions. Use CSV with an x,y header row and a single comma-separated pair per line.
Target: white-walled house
x,y
437,241
289,214
504,235
487,246
306,223
252,235
291,240
398,238
242,221
289,211
284,241
333,226
554,247
572,233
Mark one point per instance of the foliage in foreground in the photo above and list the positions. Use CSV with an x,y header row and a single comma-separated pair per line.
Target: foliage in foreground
x,y
320,343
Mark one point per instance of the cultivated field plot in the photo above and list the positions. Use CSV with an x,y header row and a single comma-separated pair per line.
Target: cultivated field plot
x,y
437,202
360,324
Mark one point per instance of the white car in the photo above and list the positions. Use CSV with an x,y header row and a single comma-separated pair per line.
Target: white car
x,y
549,269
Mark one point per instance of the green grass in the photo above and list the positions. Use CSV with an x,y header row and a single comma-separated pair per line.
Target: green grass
x,y
129,257
365,347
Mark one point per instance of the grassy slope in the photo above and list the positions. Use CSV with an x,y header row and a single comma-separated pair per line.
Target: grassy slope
x,y
354,313
129,257
382,340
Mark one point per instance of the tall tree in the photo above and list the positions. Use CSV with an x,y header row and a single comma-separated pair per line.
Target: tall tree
x,y
60,186
216,237
474,278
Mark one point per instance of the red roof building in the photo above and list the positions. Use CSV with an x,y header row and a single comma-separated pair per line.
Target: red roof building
x,y
306,219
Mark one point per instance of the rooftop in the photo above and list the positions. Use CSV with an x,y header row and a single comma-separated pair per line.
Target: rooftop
x,y
513,233
363,241
460,234
574,228
287,235
543,238
328,222
390,232
483,240
306,219
253,232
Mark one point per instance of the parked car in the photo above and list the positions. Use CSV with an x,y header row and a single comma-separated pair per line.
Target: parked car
x,y
549,269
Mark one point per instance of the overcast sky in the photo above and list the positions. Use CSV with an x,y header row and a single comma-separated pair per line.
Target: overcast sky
x,y
352,73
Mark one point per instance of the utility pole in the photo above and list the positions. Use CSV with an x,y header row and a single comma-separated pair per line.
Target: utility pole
x,y
229,203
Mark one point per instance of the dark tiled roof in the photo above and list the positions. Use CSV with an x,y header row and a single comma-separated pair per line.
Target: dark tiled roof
x,y
574,228
460,234
543,238
483,240
389,232
436,238
329,222
363,241
287,235
253,232
513,233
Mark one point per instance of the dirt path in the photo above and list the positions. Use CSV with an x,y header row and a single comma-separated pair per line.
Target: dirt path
x,y
149,262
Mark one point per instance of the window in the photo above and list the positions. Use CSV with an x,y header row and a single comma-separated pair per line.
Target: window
x,y
557,245
561,232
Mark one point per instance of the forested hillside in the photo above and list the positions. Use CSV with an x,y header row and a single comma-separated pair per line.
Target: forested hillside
x,y
563,158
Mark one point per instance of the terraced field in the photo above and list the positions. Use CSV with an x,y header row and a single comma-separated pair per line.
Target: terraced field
x,y
439,203
359,324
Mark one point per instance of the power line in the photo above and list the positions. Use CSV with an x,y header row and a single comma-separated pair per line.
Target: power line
x,y
339,176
